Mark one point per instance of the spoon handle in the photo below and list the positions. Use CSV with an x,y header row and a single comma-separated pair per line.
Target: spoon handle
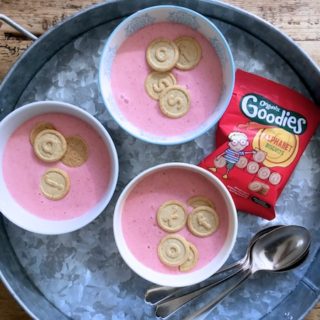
x,y
170,306
203,312
158,294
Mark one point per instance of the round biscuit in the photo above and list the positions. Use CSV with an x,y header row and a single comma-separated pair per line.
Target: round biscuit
x,y
219,162
203,221
156,82
189,52
275,178
171,216
192,260
252,167
264,189
77,152
49,145
174,102
55,184
259,156
162,55
242,162
40,126
264,173
255,186
198,201
173,250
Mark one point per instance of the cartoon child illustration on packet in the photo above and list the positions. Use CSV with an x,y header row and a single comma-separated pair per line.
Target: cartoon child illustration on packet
x,y
238,141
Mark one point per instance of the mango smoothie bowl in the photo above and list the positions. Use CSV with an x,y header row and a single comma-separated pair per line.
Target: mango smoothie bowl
x,y
59,167
166,75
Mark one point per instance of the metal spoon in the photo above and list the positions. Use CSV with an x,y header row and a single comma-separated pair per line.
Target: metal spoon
x,y
159,294
279,250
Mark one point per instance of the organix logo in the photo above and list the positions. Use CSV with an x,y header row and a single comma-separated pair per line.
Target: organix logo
x,y
264,111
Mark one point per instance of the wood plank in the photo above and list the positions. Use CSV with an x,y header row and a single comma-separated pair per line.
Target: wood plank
x,y
35,16
299,19
39,16
9,308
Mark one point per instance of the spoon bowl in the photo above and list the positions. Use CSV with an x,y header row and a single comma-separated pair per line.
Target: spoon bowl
x,y
280,248
161,294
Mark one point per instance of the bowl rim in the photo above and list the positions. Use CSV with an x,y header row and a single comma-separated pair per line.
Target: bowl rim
x,y
153,138
174,280
54,227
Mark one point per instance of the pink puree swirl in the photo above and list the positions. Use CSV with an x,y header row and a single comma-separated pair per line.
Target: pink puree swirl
x,y
129,71
139,223
22,170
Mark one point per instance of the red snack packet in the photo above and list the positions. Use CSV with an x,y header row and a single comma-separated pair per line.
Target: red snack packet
x,y
260,139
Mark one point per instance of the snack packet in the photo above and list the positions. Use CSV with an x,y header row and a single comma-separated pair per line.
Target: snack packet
x,y
259,140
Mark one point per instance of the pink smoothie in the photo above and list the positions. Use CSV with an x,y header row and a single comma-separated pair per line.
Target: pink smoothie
x,y
129,71
22,170
139,223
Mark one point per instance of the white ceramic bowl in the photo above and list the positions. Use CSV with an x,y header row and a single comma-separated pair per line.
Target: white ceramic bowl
x,y
136,191
15,212
154,15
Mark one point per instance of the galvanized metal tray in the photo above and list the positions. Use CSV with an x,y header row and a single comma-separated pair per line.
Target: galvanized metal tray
x,y
81,275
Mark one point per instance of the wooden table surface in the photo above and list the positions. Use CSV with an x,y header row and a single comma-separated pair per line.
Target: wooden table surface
x,y
299,19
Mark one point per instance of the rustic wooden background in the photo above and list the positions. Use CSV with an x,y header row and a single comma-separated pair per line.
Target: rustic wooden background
x,y
299,19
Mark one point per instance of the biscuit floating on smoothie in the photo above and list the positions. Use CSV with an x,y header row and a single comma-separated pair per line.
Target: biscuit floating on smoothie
x,y
203,221
175,102
189,53
173,250
200,201
162,55
77,152
157,82
49,145
55,184
192,260
38,128
171,216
